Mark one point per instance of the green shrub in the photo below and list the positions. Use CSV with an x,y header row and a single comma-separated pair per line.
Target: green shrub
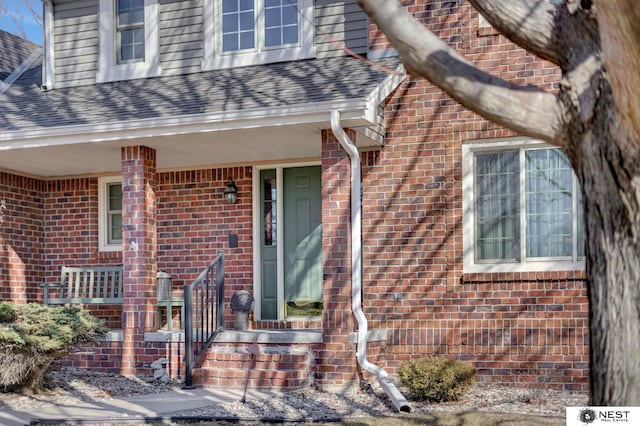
x,y
33,336
437,379
7,312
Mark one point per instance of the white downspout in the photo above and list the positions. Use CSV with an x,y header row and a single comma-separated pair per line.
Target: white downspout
x,y
356,268
48,65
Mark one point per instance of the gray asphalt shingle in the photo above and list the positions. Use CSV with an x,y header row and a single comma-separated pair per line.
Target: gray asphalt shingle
x,y
26,107
13,51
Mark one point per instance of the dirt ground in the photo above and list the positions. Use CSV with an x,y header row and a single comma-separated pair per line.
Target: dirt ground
x,y
468,418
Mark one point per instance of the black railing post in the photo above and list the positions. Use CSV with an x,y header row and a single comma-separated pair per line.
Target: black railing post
x,y
188,337
220,293
199,303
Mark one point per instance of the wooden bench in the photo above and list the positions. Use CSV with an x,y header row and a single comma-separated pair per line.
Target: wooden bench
x,y
93,285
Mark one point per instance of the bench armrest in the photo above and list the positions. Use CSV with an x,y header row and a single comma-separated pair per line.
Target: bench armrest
x,y
45,290
45,285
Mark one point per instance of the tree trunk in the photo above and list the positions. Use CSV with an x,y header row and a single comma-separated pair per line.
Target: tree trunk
x,y
35,381
25,371
610,179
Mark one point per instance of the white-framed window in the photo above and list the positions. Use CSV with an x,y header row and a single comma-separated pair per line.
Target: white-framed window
x,y
249,32
522,208
129,31
129,41
110,213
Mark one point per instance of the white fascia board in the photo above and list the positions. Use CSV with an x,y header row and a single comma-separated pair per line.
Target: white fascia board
x,y
355,111
383,90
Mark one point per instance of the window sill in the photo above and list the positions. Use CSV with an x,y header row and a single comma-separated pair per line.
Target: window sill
x,y
258,58
110,248
530,267
127,72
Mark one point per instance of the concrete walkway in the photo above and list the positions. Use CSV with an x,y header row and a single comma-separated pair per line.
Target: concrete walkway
x,y
132,408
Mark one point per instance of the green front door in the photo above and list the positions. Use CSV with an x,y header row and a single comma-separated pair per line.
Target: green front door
x,y
298,287
302,242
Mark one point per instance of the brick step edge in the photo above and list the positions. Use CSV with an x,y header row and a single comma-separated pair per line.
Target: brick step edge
x,y
254,379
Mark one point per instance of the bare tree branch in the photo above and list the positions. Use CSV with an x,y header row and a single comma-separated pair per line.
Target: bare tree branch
x,y
621,54
545,27
529,23
30,12
528,110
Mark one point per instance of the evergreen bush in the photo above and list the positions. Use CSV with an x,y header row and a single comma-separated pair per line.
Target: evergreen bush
x,y
437,379
33,336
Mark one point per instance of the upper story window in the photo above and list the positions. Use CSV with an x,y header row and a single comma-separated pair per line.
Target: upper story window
x,y
130,30
128,40
248,32
522,209
110,213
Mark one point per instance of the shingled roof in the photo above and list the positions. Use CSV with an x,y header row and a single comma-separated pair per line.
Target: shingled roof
x,y
277,85
13,51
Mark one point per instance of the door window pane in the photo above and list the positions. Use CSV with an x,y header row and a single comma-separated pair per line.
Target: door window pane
x,y
269,212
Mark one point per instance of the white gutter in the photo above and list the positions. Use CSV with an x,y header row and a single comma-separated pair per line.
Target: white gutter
x,y
48,65
308,113
356,268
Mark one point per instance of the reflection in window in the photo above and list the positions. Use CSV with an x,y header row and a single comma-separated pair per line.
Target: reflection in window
x,y
269,218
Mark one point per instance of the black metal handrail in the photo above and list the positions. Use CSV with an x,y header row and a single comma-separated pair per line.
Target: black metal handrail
x,y
204,307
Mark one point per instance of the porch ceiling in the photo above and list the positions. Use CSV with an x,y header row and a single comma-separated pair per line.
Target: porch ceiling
x,y
175,151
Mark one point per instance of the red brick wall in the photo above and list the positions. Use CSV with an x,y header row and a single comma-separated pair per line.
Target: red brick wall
x,y
70,234
106,356
21,238
336,363
71,226
518,329
194,224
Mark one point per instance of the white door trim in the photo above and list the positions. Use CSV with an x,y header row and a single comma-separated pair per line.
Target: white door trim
x,y
257,228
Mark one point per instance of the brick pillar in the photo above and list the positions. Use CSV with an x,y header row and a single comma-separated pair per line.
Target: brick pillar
x,y
338,366
139,253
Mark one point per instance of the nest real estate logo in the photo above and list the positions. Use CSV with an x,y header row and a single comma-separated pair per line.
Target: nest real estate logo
x,y
581,416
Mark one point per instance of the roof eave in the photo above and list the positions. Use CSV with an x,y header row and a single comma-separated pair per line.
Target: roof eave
x,y
355,113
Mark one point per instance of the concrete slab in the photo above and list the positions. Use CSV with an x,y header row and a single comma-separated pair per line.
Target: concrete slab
x,y
151,405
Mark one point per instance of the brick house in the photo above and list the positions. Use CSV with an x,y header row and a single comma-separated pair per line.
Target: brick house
x,y
119,141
